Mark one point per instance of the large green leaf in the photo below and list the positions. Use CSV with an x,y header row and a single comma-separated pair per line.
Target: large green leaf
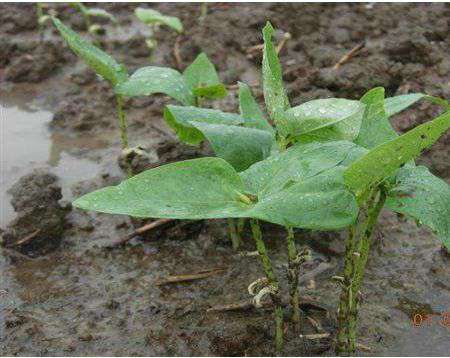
x,y
324,119
202,78
297,163
424,197
193,189
385,159
149,80
103,64
375,127
179,118
250,111
209,188
320,202
151,17
274,94
239,146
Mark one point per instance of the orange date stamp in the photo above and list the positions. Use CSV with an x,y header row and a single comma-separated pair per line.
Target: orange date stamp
x,y
421,319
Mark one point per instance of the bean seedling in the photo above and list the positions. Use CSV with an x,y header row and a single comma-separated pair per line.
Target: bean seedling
x,y
328,164
153,19
89,13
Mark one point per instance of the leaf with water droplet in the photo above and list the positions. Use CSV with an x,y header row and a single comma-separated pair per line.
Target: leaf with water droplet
x,y
423,197
375,128
208,188
99,61
239,146
274,94
321,119
202,78
151,79
179,119
384,160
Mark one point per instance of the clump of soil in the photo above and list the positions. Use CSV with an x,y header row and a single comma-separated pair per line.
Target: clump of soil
x,y
40,220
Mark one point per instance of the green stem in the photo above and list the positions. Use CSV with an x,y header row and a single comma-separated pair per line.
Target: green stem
x,y
354,272
342,334
122,122
234,237
272,280
293,273
123,131
203,11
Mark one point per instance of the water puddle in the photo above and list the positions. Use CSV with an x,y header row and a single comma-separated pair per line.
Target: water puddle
x,y
27,143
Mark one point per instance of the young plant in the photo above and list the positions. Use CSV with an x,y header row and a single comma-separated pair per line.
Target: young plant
x,y
89,13
153,19
104,65
315,170
42,18
386,176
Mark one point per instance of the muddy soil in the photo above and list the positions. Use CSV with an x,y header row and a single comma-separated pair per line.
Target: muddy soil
x,y
84,298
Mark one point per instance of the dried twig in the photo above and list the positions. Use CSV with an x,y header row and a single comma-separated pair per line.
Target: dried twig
x,y
27,238
317,326
190,277
315,336
236,306
364,348
349,55
140,231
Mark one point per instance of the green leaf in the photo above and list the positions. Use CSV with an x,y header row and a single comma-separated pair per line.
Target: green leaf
x,y
151,17
324,119
209,188
375,127
297,163
250,111
179,119
103,64
212,92
424,197
98,12
397,104
201,76
202,188
320,202
385,159
149,80
239,146
274,93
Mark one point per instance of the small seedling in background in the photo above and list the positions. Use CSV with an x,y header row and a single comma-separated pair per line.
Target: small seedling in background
x,y
42,18
203,11
104,65
328,164
89,13
153,19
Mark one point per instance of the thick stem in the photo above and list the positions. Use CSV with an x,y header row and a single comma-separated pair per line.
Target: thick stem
x,y
373,211
355,264
342,334
232,232
293,273
272,280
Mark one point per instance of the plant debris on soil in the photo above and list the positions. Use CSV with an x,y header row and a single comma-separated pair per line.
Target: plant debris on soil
x,y
180,289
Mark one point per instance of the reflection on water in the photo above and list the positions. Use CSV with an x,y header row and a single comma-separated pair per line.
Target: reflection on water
x,y
27,143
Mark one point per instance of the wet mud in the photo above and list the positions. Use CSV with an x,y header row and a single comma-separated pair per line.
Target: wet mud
x,y
68,292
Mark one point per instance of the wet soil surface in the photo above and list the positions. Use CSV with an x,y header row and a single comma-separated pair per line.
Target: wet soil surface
x,y
77,296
